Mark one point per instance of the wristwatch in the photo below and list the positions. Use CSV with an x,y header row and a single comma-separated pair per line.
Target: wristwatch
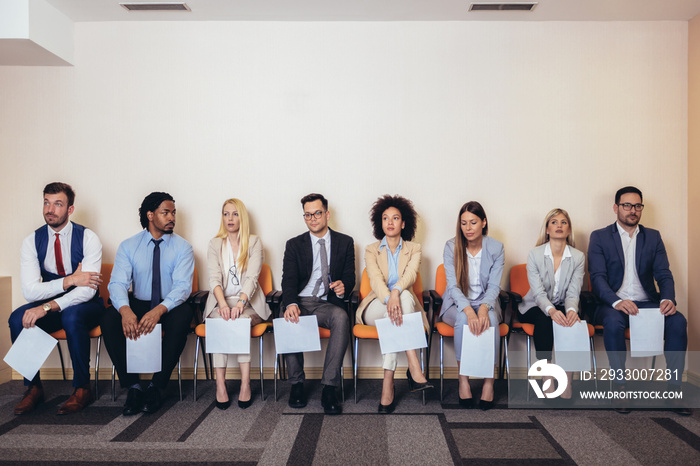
x,y
243,301
46,307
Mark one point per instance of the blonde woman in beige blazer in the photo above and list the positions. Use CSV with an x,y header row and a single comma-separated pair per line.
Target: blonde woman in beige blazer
x,y
392,267
234,261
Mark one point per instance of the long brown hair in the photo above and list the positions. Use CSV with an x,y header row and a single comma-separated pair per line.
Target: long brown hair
x,y
460,253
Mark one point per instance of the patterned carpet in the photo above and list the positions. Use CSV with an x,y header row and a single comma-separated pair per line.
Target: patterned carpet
x,y
270,432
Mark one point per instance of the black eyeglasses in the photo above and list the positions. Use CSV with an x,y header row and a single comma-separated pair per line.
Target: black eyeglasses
x,y
627,206
233,271
316,215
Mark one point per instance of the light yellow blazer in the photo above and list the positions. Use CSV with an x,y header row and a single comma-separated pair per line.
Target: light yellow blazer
x,y
249,280
377,265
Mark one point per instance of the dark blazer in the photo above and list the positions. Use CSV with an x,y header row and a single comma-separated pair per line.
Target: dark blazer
x,y
298,265
606,264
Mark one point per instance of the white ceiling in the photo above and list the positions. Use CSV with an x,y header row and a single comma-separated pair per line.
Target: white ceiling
x,y
384,10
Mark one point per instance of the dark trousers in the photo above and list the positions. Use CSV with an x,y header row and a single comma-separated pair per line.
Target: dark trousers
x,y
175,326
544,333
615,323
336,320
77,321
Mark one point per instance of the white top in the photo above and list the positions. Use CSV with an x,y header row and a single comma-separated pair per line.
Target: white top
x,y
475,288
34,289
232,284
316,270
631,286
557,273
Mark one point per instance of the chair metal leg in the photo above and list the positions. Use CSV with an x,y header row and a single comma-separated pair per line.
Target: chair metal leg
x,y
529,363
422,368
196,361
653,362
60,355
114,386
505,346
342,383
97,368
179,376
262,386
276,367
442,368
354,370
595,365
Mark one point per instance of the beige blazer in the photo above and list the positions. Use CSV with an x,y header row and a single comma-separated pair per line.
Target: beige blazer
x,y
249,280
377,264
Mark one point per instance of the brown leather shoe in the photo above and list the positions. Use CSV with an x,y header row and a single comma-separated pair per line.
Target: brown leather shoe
x,y
80,398
32,397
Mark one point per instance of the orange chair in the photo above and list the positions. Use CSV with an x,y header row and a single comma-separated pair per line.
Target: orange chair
x,y
519,286
445,330
369,332
257,331
96,332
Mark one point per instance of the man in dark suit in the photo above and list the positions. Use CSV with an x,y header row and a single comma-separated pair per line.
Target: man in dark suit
x,y
318,271
624,259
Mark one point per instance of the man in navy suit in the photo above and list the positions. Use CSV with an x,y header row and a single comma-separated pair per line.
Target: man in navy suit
x,y
318,271
624,260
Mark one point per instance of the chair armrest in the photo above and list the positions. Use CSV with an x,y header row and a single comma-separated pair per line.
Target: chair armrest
x,y
437,299
354,299
426,301
198,299
588,303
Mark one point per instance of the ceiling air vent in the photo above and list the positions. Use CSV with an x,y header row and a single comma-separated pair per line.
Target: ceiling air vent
x,y
156,6
502,6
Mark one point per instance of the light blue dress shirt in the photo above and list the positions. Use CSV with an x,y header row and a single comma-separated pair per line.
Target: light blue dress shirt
x,y
133,265
393,265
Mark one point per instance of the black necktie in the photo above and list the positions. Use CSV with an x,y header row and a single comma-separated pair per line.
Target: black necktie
x,y
155,279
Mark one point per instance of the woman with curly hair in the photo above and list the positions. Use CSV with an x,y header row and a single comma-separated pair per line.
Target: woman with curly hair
x,y
234,261
473,267
392,266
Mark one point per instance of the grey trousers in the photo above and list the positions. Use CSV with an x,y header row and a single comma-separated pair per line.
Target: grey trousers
x,y
336,320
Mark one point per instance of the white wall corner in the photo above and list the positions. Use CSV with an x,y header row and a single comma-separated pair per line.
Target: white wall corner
x,y
51,30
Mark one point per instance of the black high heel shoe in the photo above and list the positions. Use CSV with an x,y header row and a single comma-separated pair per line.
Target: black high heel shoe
x,y
245,404
223,405
415,386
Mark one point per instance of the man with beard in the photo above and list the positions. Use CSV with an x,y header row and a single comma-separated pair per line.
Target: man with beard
x,y
158,264
60,273
624,260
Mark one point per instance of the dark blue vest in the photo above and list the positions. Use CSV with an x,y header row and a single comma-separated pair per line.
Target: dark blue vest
x,y
41,241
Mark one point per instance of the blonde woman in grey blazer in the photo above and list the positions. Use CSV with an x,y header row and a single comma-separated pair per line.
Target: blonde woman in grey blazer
x,y
472,298
234,261
555,273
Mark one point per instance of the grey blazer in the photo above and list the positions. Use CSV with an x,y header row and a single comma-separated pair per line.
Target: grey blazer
x,y
249,280
540,275
492,261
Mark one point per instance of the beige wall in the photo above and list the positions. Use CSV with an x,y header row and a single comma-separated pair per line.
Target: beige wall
x,y
523,117
693,187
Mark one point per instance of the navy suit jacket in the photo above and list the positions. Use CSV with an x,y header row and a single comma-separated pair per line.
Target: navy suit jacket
x,y
606,264
298,265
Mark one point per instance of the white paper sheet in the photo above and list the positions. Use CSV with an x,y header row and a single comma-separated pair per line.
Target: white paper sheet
x,y
228,336
144,355
410,335
296,337
647,333
478,353
29,351
572,348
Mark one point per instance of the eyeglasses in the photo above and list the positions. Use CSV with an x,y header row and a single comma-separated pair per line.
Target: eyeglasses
x,y
316,215
233,272
627,206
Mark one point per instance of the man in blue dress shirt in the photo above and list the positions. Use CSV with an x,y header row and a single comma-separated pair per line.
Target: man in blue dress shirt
x,y
158,297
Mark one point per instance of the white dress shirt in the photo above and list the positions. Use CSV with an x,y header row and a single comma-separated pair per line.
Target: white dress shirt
x,y
474,262
631,286
316,270
557,273
34,289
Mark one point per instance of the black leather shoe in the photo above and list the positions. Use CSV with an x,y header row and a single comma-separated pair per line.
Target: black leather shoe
x,y
329,401
134,402
620,405
415,386
223,405
153,401
682,411
466,403
485,405
297,398
386,409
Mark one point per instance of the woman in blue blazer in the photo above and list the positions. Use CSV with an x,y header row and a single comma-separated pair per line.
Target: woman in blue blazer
x,y
555,273
473,268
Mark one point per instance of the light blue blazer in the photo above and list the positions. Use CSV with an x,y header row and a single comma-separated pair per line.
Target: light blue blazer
x,y
492,261
540,275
